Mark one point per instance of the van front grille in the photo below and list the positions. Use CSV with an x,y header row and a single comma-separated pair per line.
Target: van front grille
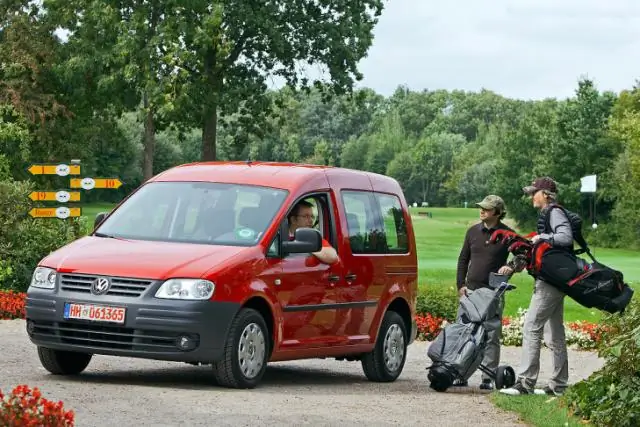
x,y
120,286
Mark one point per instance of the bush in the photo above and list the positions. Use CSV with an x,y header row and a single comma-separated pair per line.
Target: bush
x,y
438,301
582,335
611,396
27,407
25,240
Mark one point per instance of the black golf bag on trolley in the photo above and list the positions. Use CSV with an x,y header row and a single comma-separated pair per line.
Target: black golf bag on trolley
x,y
459,348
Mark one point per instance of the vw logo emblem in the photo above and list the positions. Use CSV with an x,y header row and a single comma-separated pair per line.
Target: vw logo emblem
x,y
100,286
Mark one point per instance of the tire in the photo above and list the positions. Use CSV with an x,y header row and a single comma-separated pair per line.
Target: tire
x,y
381,365
440,378
60,362
244,369
505,377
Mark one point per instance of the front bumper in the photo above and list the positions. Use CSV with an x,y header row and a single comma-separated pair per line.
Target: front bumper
x,y
153,328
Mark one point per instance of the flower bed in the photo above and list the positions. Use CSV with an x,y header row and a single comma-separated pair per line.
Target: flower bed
x,y
583,335
12,305
26,407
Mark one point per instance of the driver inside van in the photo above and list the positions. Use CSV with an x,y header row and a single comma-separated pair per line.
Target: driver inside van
x,y
302,216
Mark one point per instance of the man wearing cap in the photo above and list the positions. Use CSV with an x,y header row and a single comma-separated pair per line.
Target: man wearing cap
x,y
546,310
476,261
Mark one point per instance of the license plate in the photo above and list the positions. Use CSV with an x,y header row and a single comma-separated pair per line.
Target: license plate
x,y
95,313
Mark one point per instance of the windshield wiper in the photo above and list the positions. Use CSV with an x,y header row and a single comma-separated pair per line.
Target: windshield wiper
x,y
108,236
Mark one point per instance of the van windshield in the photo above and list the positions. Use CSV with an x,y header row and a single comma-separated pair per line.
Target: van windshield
x,y
195,212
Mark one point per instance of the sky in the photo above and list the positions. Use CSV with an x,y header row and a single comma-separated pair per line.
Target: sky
x,y
518,48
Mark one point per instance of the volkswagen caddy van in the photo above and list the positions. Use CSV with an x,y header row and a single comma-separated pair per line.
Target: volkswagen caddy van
x,y
201,265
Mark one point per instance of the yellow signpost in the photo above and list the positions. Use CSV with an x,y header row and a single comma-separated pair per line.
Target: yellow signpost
x,y
55,196
91,183
60,212
65,196
60,170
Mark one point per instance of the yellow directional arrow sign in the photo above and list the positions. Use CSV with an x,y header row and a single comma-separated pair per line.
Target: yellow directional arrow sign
x,y
90,183
61,169
55,196
61,212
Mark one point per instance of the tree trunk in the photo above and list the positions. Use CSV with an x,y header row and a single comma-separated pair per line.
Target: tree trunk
x,y
209,134
210,108
149,140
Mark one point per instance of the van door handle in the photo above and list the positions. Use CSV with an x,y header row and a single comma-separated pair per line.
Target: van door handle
x,y
350,277
334,278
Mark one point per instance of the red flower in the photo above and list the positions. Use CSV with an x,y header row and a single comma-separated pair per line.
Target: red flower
x,y
428,326
26,407
12,305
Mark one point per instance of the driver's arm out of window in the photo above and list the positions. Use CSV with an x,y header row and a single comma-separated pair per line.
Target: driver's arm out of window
x,y
327,255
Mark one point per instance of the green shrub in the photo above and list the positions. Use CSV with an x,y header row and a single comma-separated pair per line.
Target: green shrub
x,y
24,241
439,301
611,396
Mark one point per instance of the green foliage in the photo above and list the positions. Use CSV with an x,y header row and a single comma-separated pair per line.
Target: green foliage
x,y
438,301
611,396
24,241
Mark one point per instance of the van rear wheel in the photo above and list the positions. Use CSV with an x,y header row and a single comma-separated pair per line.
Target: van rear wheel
x,y
60,362
246,352
386,361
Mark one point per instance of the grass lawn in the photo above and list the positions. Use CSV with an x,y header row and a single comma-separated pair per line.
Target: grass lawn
x,y
439,239
537,410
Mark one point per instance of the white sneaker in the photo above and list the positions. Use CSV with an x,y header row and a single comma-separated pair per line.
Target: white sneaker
x,y
516,390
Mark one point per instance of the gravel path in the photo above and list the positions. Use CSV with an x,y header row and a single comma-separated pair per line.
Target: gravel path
x,y
122,391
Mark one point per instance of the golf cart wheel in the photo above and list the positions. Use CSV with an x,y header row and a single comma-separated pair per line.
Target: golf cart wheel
x,y
246,352
386,361
440,388
505,377
60,362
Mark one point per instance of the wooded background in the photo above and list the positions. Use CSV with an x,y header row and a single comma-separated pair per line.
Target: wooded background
x,y
135,87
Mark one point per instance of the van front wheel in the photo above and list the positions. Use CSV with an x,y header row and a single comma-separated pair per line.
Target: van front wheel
x,y
386,361
246,352
60,362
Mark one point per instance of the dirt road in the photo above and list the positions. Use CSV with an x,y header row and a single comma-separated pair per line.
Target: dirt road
x,y
124,392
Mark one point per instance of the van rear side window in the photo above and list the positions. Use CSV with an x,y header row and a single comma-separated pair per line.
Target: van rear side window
x,y
393,221
375,223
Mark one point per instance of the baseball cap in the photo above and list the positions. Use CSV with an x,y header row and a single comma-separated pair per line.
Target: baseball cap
x,y
492,202
542,183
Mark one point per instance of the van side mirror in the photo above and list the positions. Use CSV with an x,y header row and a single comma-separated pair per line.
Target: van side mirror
x,y
99,218
305,240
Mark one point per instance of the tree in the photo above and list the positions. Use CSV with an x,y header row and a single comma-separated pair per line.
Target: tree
x,y
122,46
28,54
230,50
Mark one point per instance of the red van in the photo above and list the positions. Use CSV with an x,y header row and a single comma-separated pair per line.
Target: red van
x,y
220,263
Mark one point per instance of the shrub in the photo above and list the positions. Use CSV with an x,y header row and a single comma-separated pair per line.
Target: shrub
x,y
438,301
583,335
25,240
611,396
27,407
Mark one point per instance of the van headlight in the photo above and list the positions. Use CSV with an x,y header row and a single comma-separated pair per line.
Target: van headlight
x,y
44,278
188,289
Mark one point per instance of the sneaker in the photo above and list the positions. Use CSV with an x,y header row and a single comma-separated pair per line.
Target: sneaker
x,y
516,390
460,383
548,391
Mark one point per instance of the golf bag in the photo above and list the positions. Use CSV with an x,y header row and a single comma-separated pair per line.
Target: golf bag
x,y
459,348
589,284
